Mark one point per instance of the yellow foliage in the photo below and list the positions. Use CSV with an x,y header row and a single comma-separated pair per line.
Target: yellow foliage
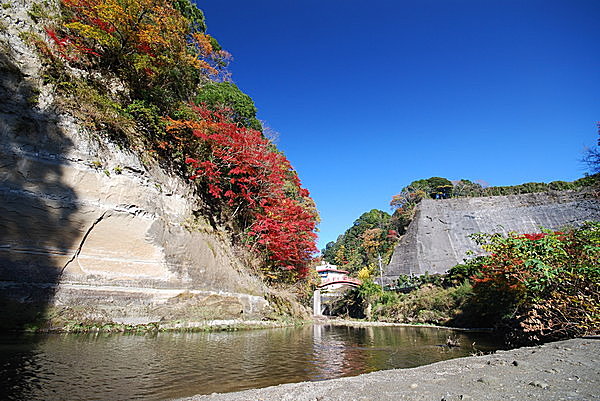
x,y
366,272
149,33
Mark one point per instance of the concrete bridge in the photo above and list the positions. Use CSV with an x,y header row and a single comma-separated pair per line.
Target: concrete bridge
x,y
330,291
335,283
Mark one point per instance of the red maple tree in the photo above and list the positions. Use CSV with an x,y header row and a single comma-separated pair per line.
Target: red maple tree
x,y
243,168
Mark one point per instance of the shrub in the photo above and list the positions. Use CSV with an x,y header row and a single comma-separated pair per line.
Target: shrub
x,y
429,304
541,286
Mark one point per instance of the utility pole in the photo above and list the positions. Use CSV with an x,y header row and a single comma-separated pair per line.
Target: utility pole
x,y
380,269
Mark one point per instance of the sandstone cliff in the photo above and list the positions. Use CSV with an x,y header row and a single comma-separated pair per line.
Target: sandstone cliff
x,y
90,233
437,238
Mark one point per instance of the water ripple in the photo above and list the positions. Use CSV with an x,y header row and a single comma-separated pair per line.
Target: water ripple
x,y
168,365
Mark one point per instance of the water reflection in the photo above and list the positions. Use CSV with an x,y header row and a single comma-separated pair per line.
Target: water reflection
x,y
168,365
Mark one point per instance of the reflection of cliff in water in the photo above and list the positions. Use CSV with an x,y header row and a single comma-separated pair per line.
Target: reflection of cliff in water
x,y
170,365
367,349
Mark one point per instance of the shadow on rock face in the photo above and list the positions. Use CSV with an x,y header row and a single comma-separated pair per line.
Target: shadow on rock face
x,y
37,233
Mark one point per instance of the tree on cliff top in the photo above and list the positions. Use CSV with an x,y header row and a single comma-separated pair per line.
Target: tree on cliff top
x,y
592,156
227,96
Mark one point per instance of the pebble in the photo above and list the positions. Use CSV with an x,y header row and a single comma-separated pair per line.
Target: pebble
x,y
451,397
539,384
487,380
414,385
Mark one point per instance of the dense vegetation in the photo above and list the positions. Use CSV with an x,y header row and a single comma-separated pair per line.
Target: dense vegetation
x,y
534,287
370,239
146,74
531,287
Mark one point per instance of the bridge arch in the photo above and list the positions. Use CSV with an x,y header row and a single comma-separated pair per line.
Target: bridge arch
x,y
337,283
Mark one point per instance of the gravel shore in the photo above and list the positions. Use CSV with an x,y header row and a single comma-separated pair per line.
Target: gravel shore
x,y
564,370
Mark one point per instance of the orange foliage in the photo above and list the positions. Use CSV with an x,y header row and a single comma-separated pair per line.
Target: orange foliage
x,y
147,34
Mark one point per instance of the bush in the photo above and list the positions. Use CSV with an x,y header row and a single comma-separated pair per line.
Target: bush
x,y
429,304
242,170
542,286
226,95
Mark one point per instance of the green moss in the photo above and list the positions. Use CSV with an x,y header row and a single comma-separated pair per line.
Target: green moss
x,y
29,36
196,223
38,12
154,327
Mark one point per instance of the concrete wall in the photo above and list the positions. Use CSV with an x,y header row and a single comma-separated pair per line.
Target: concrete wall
x,y
437,238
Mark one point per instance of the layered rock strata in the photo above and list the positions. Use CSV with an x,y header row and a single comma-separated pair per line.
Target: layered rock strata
x,y
90,233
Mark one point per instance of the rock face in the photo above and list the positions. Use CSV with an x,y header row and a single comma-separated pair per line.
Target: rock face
x,y
87,231
437,238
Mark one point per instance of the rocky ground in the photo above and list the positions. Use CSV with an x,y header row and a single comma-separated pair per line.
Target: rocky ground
x,y
565,370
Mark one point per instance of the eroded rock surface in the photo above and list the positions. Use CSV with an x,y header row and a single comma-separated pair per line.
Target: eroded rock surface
x,y
90,233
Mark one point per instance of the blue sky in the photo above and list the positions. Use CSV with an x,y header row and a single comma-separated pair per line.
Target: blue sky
x,y
369,96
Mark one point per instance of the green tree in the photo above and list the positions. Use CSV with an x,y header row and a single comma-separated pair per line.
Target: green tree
x,y
467,188
194,15
361,245
435,187
227,96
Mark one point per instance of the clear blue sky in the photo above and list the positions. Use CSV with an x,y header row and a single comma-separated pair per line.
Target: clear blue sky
x,y
370,95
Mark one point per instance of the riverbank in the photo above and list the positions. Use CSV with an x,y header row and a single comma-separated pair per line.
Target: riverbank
x,y
169,326
564,370
374,323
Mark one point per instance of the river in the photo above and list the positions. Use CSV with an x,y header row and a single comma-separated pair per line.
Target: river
x,y
161,366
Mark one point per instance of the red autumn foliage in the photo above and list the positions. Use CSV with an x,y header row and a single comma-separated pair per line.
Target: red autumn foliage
x,y
534,237
542,285
67,47
242,167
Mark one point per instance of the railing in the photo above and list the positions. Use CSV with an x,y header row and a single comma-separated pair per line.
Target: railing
x,y
345,280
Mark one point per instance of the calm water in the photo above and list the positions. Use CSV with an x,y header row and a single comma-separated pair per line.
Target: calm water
x,y
167,365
